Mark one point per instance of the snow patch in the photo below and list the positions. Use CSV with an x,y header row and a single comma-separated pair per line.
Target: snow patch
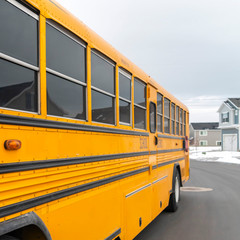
x,y
214,154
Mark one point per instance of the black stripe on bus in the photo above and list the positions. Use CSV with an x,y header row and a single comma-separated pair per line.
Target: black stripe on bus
x,y
34,202
41,164
113,235
42,123
167,163
171,137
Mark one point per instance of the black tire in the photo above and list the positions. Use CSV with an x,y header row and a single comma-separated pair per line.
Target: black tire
x,y
175,195
7,237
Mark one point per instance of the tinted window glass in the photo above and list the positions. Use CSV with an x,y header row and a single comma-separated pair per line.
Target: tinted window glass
x,y
159,103
18,87
19,34
177,113
65,98
139,118
102,108
166,125
180,115
173,111
159,123
65,55
139,93
173,127
102,74
177,128
166,107
152,117
124,87
124,111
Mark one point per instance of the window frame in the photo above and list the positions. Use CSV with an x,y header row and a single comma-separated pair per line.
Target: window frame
x,y
155,117
184,123
160,114
169,117
139,106
177,120
204,133
129,76
203,141
70,35
181,121
173,119
105,58
21,63
228,117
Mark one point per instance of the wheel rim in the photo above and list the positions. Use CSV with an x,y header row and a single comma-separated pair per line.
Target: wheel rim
x,y
177,190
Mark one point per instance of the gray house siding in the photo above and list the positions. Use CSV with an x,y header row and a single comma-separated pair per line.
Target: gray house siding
x,y
213,136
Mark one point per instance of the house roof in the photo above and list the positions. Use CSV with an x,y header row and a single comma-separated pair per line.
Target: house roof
x,y
235,101
205,125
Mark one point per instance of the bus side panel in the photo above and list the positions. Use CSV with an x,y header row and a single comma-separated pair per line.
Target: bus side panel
x,y
94,214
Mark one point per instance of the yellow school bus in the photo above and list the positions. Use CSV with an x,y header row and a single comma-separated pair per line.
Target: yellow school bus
x,y
91,147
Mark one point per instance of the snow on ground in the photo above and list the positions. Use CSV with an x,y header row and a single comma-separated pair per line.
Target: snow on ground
x,y
214,154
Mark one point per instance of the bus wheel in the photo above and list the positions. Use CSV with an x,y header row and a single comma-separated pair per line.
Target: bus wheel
x,y
175,195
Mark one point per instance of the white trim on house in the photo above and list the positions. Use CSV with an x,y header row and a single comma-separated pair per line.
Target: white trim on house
x,y
219,110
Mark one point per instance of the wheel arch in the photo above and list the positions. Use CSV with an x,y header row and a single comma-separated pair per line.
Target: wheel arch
x,y
29,221
177,168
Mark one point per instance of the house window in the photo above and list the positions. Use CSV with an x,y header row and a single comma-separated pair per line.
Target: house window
x,y
203,143
225,117
203,133
218,143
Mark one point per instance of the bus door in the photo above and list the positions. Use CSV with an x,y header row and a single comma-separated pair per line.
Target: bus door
x,y
153,139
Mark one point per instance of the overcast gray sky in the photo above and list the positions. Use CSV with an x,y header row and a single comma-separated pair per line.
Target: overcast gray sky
x,y
191,47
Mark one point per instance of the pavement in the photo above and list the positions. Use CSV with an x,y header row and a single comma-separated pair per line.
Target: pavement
x,y
210,214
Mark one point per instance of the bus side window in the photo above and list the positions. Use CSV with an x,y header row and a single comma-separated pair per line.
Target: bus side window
x,y
181,122
159,112
125,106
152,121
66,73
19,64
139,104
166,115
103,89
173,117
177,120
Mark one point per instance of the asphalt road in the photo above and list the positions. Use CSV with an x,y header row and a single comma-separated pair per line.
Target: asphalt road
x,y
212,215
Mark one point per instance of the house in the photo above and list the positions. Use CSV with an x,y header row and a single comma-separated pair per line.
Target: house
x,y
205,134
229,124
